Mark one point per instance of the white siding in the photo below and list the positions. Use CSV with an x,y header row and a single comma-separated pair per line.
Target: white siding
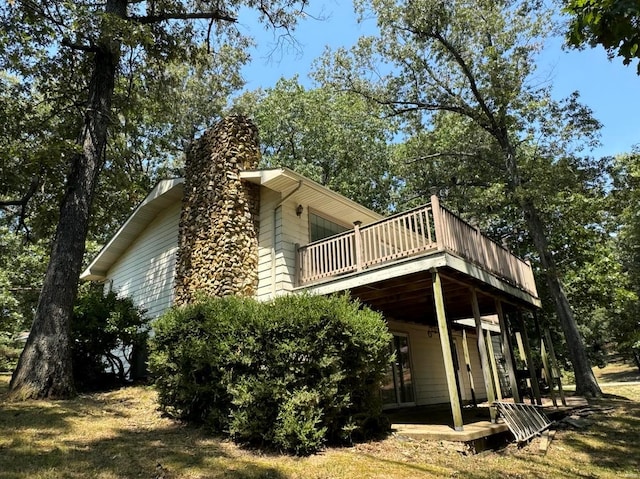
x,y
292,230
145,272
280,230
429,379
266,273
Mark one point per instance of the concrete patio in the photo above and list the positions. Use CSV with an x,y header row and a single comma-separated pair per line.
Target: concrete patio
x,y
435,423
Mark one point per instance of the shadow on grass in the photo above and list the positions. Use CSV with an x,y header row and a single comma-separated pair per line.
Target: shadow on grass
x,y
618,377
612,439
153,453
107,436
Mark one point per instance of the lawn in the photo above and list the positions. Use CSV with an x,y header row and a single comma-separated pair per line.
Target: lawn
x,y
121,434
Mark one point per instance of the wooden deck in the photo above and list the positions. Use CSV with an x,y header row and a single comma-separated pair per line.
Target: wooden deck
x,y
423,231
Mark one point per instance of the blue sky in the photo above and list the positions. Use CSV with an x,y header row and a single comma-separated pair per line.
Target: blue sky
x,y
609,88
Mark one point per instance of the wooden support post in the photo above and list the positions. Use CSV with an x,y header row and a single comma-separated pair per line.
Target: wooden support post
x,y
437,222
484,356
523,355
547,371
535,385
358,244
508,352
494,366
447,355
555,369
298,265
467,361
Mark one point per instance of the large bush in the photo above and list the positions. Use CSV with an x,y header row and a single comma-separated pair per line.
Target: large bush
x,y
107,332
295,373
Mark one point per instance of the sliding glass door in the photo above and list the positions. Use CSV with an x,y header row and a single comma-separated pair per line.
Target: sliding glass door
x,y
397,388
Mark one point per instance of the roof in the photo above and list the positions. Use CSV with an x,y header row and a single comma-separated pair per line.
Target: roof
x,y
167,192
311,193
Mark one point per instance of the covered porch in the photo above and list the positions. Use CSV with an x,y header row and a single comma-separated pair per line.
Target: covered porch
x,y
437,280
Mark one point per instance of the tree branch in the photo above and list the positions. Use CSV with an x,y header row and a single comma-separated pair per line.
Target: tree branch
x,y
33,186
79,46
213,15
439,155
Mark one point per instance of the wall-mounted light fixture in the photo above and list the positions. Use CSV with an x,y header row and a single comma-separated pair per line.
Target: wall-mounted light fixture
x,y
299,209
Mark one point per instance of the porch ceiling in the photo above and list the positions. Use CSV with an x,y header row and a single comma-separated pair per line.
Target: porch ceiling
x,y
410,297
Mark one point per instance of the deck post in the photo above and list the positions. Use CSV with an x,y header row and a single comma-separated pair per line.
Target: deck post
x,y
547,372
526,345
447,355
298,265
467,362
484,356
357,244
437,222
494,366
508,351
523,355
554,367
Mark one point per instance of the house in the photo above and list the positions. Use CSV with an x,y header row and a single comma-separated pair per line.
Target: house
x,y
230,228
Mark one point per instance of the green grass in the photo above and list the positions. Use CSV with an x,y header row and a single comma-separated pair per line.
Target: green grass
x,y
121,434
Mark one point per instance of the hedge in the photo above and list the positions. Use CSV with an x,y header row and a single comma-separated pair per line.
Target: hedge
x,y
293,374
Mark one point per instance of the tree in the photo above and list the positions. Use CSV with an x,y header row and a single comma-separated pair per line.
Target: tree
x,y
312,132
626,201
614,24
78,50
475,60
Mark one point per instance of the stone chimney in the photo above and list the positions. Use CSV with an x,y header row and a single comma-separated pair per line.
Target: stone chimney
x,y
218,238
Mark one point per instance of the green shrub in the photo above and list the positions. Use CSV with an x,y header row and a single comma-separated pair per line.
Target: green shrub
x,y
10,350
106,331
294,374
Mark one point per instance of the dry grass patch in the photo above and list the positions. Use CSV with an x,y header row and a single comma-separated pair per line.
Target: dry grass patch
x,y
120,434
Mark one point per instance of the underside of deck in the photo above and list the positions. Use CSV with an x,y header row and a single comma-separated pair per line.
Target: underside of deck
x,y
404,289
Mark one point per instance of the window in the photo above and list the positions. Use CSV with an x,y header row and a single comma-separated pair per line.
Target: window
x,y
320,227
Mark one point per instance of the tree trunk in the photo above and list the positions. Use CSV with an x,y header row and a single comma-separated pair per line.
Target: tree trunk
x,y
44,368
586,384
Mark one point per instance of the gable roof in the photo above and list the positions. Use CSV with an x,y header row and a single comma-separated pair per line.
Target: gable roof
x,y
167,192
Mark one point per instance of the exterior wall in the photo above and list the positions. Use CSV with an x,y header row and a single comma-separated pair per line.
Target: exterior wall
x,y
145,272
280,230
294,230
427,366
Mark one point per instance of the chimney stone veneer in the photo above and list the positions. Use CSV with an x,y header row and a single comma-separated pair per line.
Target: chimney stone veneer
x,y
218,238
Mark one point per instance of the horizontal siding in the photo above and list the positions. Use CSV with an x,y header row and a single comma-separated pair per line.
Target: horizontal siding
x,y
295,230
268,201
145,272
429,378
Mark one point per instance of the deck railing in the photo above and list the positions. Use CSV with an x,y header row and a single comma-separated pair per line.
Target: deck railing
x,y
420,231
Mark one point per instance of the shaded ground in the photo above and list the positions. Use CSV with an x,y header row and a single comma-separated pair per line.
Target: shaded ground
x,y
120,434
617,371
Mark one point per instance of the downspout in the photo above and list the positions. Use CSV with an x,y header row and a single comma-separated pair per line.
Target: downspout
x,y
273,240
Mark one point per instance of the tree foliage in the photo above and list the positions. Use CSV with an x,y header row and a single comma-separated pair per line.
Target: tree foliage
x,y
335,138
626,205
470,65
614,24
89,74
